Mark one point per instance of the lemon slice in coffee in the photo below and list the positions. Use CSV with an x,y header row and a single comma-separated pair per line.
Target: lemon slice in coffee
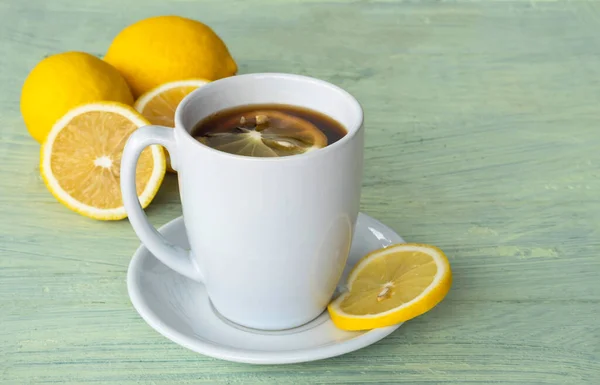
x,y
262,133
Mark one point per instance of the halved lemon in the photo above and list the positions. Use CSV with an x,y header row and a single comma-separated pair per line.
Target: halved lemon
x,y
159,104
81,158
264,133
392,285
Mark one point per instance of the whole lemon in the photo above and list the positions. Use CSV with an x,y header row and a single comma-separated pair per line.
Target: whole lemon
x,y
162,49
63,81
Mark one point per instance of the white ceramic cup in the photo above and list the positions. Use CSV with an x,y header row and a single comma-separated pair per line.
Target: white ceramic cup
x,y
269,237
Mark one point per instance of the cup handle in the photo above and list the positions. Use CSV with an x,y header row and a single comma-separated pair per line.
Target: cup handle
x,y
171,255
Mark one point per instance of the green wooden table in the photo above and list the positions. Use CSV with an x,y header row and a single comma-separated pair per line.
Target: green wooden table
x,y
483,137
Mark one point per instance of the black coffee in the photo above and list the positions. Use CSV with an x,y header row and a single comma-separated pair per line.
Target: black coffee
x,y
268,130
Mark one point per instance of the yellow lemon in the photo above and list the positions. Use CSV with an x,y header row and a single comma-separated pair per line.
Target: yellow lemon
x,y
163,49
159,104
66,80
80,160
392,285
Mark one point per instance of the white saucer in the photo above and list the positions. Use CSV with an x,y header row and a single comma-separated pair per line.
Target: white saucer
x,y
179,309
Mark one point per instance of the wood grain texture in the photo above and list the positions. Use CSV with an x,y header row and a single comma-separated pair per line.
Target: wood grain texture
x,y
482,138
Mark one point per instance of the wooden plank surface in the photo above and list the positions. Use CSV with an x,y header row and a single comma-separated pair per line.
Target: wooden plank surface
x,y
482,138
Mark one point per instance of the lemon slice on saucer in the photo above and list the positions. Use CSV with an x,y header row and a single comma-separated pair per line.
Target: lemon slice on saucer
x,y
81,158
392,285
266,133
159,104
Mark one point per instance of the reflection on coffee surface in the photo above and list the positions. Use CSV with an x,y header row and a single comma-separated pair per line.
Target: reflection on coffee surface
x,y
269,130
